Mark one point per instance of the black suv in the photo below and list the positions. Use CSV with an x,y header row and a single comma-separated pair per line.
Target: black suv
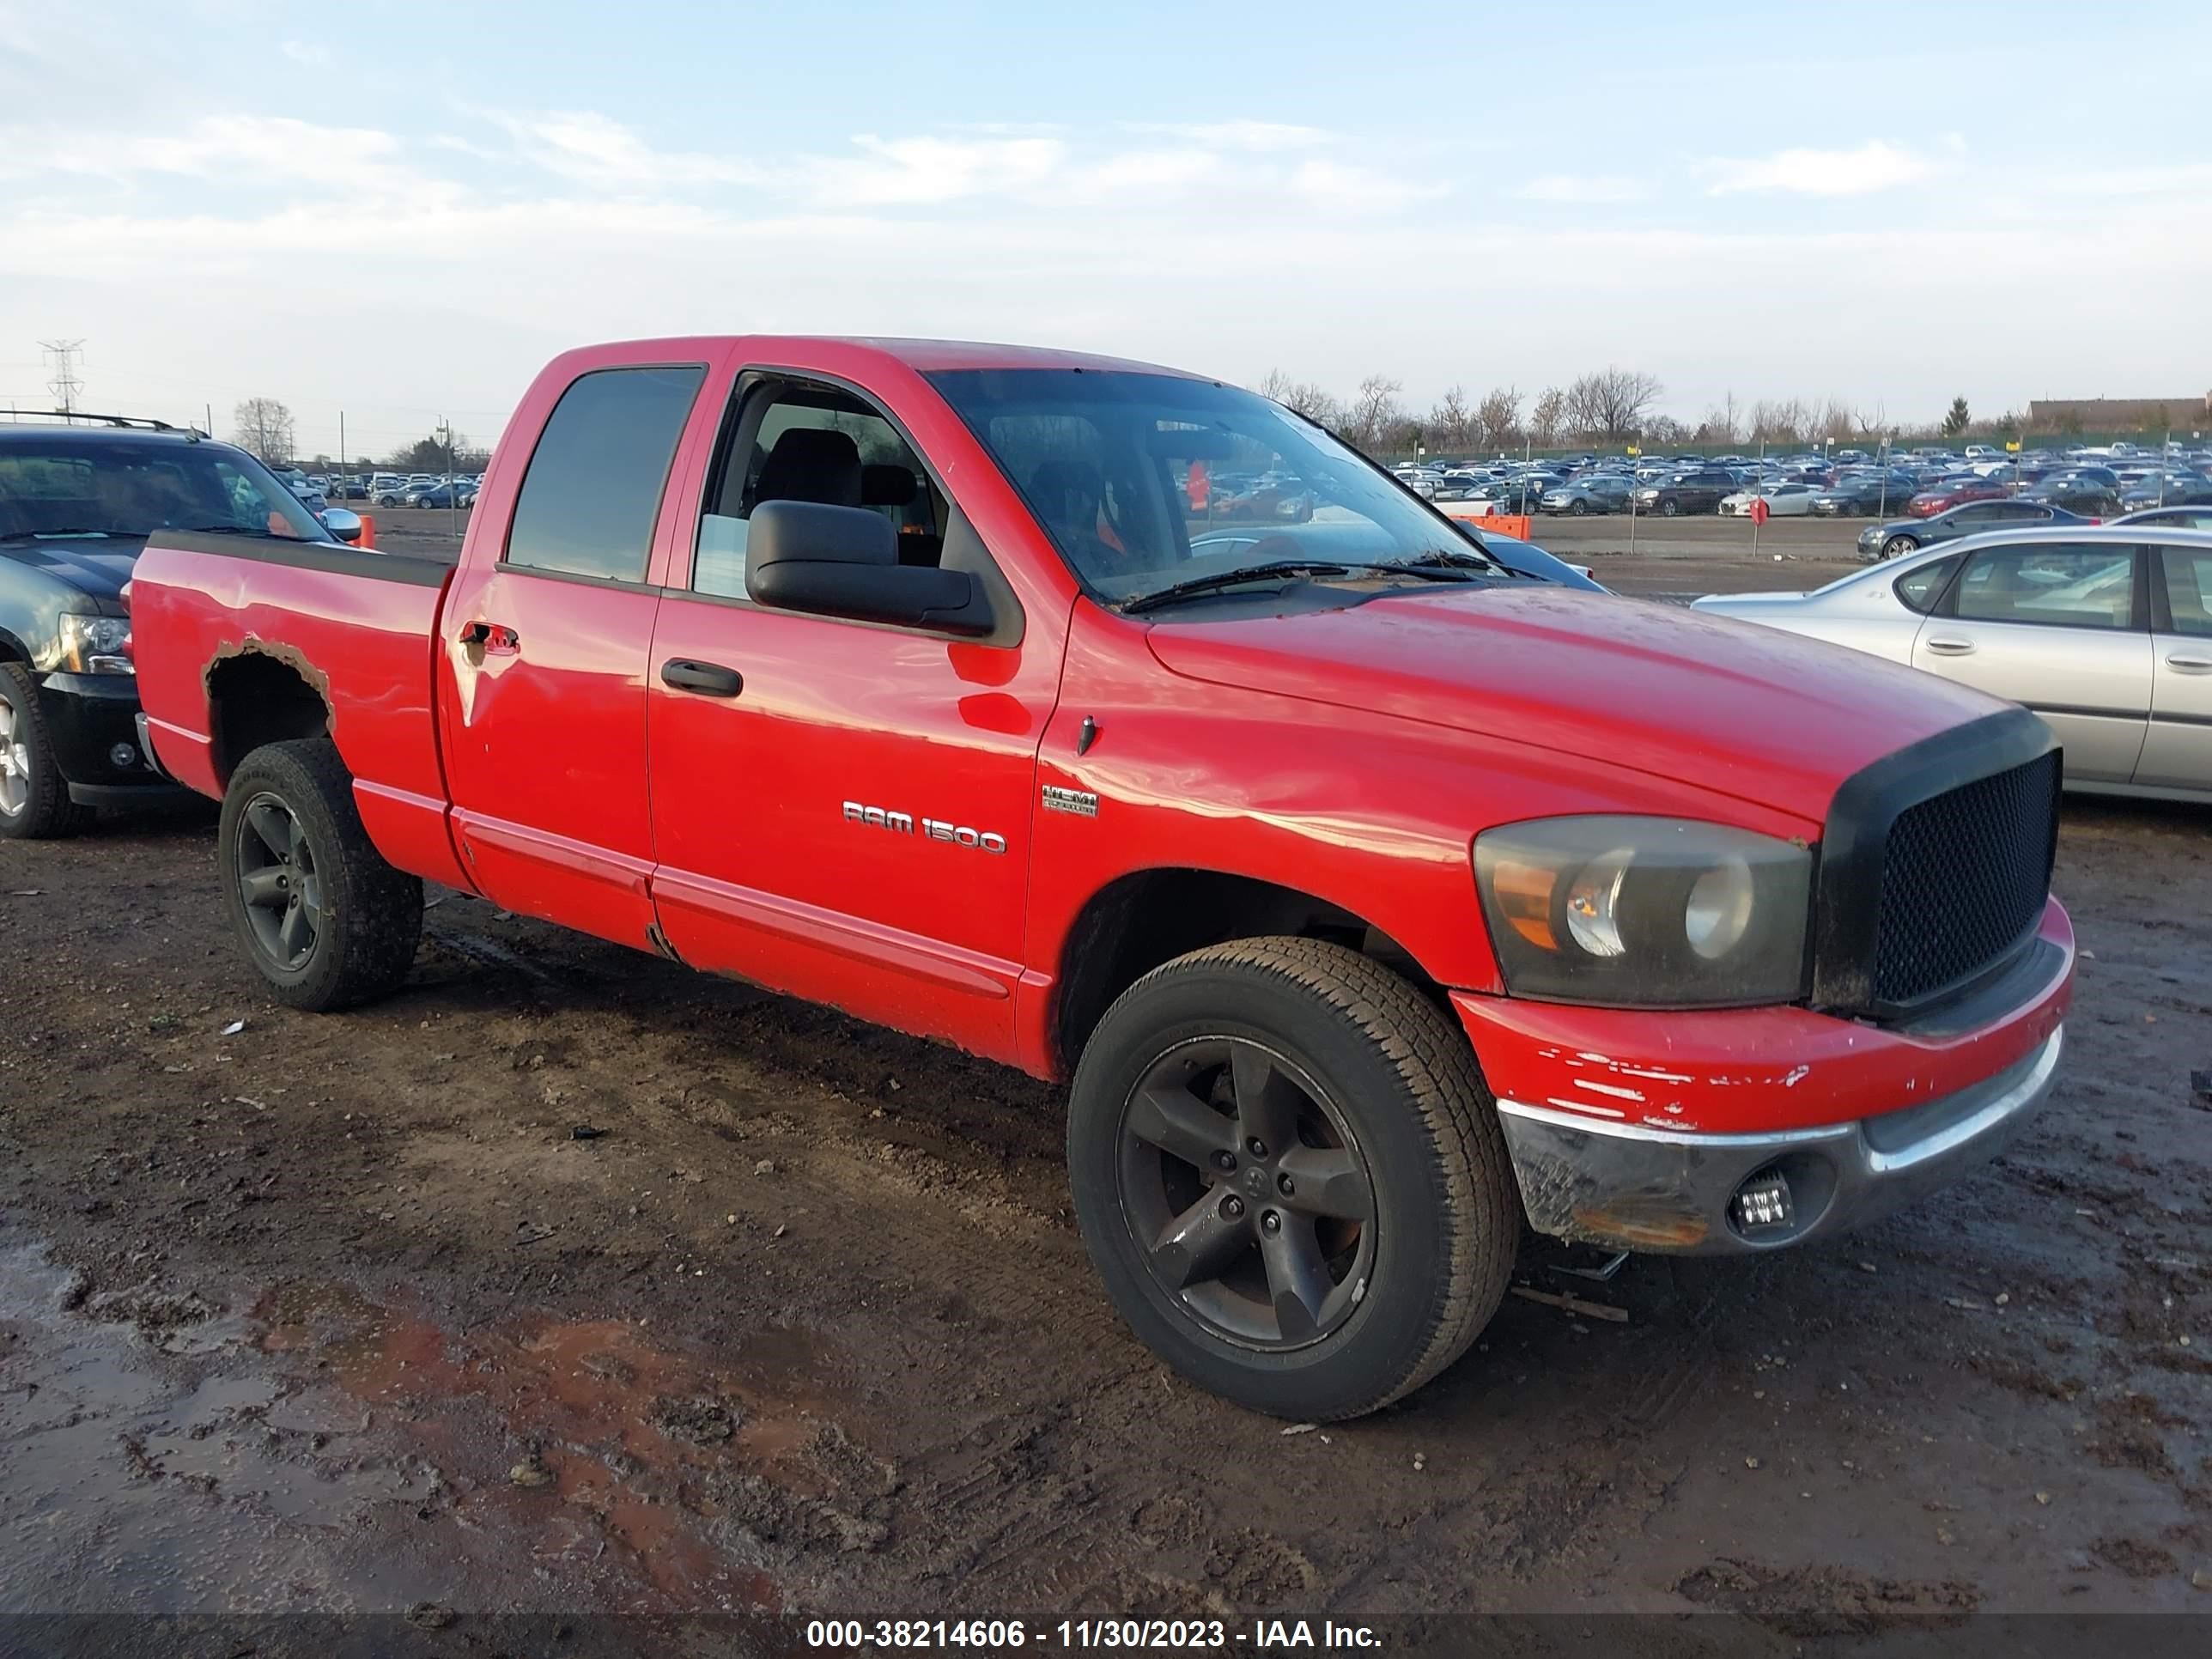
x,y
77,502
1691,492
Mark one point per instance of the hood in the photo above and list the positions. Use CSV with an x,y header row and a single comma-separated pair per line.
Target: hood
x,y
1748,711
97,565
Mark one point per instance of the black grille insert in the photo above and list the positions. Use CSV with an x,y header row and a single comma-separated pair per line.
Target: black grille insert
x,y
1964,876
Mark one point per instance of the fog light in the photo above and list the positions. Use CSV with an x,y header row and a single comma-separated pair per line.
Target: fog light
x,y
122,756
1764,1201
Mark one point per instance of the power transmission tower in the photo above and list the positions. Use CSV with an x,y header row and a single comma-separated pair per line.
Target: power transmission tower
x,y
65,384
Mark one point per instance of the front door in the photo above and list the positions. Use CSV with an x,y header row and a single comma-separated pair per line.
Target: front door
x,y
842,810
545,711
2176,753
2053,625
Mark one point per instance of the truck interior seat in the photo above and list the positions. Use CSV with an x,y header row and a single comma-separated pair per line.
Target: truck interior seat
x,y
812,464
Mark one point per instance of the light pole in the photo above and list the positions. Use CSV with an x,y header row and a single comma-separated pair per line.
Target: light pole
x,y
453,494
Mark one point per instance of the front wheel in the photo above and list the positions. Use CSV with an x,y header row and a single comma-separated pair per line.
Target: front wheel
x,y
1670,509
1578,508
1898,546
34,797
1290,1176
323,918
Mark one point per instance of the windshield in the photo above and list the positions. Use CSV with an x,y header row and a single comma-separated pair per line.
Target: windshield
x,y
55,486
1145,480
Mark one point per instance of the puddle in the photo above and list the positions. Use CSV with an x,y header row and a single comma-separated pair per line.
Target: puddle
x,y
132,1477
320,1449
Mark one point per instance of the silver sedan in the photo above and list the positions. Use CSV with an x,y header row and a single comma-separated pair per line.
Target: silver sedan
x,y
2104,630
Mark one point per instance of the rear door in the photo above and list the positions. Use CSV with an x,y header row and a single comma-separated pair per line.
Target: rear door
x,y
544,661
2177,751
2058,627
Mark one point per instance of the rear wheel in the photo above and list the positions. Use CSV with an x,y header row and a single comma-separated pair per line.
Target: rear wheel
x,y
323,918
34,798
1290,1176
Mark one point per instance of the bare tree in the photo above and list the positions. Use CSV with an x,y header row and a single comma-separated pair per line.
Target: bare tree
x,y
1612,403
1722,424
1785,420
431,455
1451,423
1302,398
1403,434
1497,419
1549,417
265,426
1374,411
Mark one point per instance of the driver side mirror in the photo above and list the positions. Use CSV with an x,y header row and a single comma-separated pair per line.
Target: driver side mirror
x,y
844,562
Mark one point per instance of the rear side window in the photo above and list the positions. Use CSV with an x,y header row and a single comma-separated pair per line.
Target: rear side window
x,y
2055,584
589,501
1921,589
2187,573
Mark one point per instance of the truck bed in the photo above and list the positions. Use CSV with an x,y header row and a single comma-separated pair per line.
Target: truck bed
x,y
360,627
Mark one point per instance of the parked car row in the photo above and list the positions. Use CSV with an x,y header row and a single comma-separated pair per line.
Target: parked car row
x,y
390,488
1848,484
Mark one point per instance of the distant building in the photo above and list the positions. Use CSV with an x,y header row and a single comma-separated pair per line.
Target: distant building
x,y
2120,414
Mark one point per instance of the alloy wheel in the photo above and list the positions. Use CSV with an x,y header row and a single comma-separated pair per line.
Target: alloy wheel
x,y
278,881
1247,1194
14,762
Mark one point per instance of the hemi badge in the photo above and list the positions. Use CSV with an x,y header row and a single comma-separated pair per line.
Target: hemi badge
x,y
1078,803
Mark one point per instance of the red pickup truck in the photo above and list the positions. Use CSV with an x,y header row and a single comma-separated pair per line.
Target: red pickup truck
x,y
1373,900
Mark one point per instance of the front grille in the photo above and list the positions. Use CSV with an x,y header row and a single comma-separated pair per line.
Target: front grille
x,y
1964,876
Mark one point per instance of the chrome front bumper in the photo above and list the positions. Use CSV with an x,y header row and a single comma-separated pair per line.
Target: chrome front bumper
x,y
1631,1187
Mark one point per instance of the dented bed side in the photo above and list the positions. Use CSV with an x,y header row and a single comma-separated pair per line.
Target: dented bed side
x,y
359,631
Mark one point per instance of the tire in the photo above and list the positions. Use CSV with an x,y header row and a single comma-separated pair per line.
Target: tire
x,y
1669,508
363,917
1578,508
1898,546
1408,1206
34,797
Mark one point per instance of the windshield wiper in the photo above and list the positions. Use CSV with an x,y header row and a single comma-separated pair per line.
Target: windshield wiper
x,y
1283,568
1457,558
56,535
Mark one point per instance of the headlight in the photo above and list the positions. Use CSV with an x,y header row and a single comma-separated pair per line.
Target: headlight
x,y
1645,911
97,645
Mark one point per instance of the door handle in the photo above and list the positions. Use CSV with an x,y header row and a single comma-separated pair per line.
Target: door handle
x,y
709,680
1950,647
491,636
2183,662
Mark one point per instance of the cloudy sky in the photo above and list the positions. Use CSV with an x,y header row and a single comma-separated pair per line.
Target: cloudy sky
x,y
400,211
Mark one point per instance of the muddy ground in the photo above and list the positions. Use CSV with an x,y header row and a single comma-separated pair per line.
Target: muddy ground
x,y
568,1281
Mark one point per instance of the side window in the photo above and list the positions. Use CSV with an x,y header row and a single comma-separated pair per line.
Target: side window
x,y
2187,573
589,501
2052,583
1979,513
799,443
1921,589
